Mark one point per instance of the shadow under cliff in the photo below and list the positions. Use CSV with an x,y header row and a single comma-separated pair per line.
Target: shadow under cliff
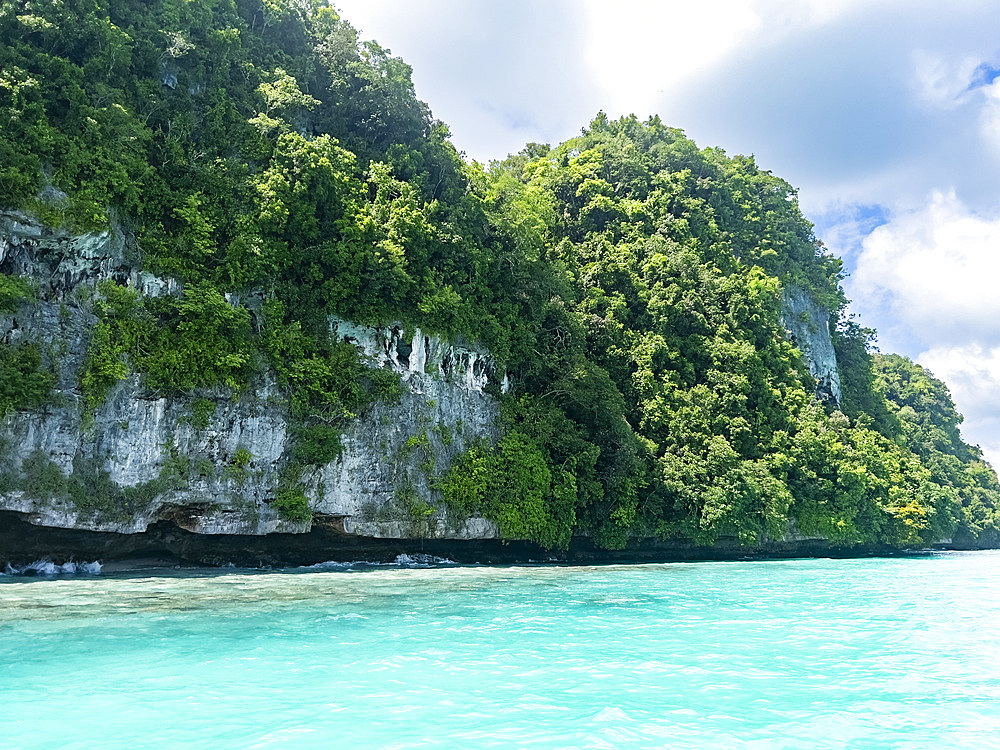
x,y
22,542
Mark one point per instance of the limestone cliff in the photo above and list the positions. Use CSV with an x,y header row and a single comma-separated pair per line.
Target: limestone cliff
x,y
808,326
215,473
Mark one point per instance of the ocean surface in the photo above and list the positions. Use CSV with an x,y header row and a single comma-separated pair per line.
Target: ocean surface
x,y
866,653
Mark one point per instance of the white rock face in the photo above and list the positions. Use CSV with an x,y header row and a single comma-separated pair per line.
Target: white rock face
x,y
380,486
418,356
28,248
808,326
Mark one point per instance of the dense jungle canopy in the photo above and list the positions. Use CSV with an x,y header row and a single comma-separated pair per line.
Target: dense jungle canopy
x,y
629,282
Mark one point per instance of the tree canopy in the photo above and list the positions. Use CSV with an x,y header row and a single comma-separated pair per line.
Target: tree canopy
x,y
629,282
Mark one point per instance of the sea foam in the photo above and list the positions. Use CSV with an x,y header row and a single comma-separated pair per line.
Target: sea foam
x,y
416,560
49,568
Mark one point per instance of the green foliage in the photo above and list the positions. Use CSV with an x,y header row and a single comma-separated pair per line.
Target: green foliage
x,y
123,332
201,341
42,478
175,471
416,511
103,368
178,344
14,290
415,442
92,490
202,411
852,485
929,426
513,486
292,504
24,382
317,444
328,382
238,468
861,400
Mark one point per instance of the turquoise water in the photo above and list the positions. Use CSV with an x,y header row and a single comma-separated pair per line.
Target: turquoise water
x,y
866,653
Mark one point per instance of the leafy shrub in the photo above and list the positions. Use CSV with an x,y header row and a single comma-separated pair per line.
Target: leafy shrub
x,y
202,411
201,341
176,469
416,513
239,467
92,490
198,340
103,368
14,290
42,477
123,332
292,504
317,444
24,384
512,486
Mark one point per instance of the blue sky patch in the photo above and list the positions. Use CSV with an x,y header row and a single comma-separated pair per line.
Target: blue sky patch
x,y
983,75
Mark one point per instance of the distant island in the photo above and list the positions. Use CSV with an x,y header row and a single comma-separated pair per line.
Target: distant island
x,y
255,306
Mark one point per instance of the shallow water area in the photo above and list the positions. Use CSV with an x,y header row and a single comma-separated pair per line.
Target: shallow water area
x,y
864,653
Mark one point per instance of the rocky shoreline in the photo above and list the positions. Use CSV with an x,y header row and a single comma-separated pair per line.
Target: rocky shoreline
x,y
22,543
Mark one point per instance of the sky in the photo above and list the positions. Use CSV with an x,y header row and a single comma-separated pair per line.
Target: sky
x,y
885,114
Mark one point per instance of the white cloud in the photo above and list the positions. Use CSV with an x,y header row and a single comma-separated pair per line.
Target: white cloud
x,y
643,53
500,74
942,81
928,280
936,271
640,46
503,73
638,49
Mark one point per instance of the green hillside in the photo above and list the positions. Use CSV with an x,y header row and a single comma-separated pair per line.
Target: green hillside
x,y
630,283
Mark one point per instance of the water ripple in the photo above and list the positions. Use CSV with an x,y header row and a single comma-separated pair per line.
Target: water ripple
x,y
793,654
